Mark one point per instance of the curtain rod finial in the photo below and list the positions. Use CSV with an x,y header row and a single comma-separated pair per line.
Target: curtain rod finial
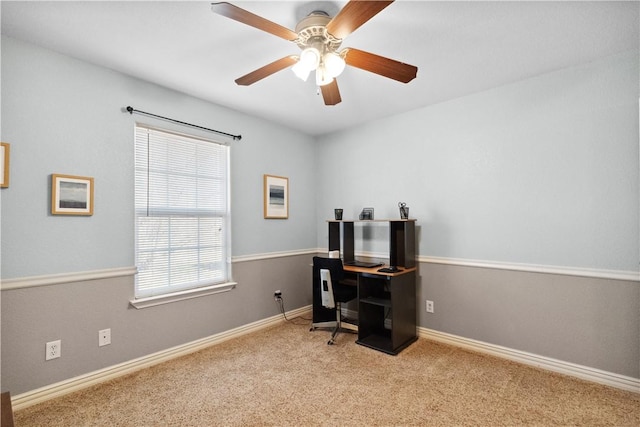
x,y
130,109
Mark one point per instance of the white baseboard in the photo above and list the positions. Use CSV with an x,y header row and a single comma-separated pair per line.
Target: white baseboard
x,y
547,363
24,400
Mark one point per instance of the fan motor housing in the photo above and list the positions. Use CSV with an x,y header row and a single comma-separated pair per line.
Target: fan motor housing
x,y
313,28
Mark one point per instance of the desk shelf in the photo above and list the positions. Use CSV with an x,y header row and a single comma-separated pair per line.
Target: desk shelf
x,y
384,344
381,342
402,240
384,302
382,299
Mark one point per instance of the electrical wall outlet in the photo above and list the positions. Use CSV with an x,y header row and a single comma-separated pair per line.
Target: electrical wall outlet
x,y
53,350
429,306
104,337
277,295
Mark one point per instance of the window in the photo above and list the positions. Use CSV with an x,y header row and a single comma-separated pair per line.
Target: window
x,y
182,212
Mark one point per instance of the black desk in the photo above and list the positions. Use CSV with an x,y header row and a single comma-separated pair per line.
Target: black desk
x,y
386,308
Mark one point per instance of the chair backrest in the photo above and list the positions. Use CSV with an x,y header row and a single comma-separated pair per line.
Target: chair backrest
x,y
326,289
327,271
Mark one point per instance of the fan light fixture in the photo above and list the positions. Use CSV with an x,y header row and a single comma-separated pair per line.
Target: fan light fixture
x,y
334,64
327,65
319,50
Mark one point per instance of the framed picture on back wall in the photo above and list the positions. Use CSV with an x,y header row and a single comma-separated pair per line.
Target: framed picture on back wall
x,y
276,197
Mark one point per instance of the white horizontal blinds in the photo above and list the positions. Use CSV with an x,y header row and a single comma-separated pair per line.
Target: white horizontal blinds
x,y
182,221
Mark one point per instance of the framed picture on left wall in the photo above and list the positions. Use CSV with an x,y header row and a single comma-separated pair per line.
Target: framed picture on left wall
x,y
71,195
4,164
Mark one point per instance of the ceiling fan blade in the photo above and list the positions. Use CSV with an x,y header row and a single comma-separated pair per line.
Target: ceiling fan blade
x,y
331,93
353,15
267,70
386,67
246,17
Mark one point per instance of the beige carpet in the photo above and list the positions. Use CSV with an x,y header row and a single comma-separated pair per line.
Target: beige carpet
x,y
289,376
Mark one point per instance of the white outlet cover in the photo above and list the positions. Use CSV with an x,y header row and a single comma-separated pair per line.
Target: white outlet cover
x,y
53,350
104,337
429,306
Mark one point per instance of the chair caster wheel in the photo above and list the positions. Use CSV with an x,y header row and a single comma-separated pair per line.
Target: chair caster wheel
x,y
330,343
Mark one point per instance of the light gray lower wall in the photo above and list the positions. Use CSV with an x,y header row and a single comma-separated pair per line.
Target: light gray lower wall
x,y
587,321
75,312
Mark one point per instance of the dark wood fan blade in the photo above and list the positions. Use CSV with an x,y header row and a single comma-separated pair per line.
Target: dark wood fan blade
x,y
266,71
353,15
386,67
246,17
331,93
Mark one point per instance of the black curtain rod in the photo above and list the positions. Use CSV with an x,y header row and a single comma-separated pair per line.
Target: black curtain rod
x,y
132,110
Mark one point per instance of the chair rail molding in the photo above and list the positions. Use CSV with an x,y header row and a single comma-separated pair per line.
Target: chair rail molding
x,y
632,276
57,279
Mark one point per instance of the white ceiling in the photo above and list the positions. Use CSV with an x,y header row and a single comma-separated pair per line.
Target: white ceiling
x,y
459,48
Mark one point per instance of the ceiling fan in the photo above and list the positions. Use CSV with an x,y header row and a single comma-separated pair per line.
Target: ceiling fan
x,y
320,36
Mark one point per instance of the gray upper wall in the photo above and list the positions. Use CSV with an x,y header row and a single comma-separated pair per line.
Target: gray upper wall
x,y
62,115
540,172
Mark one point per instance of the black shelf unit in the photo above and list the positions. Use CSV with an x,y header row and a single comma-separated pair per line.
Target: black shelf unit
x,y
387,311
386,301
402,240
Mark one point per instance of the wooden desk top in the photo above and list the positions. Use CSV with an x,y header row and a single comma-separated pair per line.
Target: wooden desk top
x,y
374,270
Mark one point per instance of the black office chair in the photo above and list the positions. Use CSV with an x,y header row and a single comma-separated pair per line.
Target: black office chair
x,y
329,273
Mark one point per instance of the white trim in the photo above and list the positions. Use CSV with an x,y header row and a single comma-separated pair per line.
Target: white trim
x,y
62,278
62,388
549,269
270,255
57,279
579,371
633,276
182,295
